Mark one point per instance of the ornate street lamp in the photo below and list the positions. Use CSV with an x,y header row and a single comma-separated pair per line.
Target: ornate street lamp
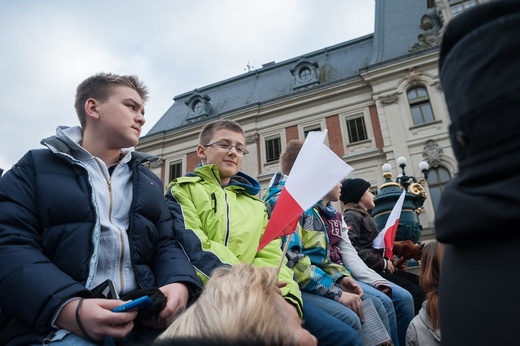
x,y
389,192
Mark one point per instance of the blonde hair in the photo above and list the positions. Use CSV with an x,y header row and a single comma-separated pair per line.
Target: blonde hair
x,y
237,302
431,261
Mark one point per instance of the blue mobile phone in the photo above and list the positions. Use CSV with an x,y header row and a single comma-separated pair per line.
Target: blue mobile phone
x,y
135,304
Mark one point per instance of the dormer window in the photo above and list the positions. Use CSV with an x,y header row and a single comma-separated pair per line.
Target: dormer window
x,y
198,106
305,74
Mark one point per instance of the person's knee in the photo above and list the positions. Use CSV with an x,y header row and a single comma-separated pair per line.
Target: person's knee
x,y
387,302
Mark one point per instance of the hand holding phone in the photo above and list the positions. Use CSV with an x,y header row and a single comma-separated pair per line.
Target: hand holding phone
x,y
135,304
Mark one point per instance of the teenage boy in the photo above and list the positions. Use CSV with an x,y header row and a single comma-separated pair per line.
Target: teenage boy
x,y
219,219
326,280
82,211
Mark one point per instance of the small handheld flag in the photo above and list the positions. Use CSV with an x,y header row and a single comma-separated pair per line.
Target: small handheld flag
x,y
385,238
316,170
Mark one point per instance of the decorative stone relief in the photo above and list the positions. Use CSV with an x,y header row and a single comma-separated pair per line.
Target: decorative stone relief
x,y
156,164
413,75
432,153
430,37
251,138
389,99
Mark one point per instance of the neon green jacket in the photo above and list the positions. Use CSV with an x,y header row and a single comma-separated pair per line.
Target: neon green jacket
x,y
223,226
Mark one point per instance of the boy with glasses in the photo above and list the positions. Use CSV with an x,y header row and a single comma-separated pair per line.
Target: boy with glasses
x,y
219,220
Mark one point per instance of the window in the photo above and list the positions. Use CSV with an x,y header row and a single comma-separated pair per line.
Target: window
x,y
437,178
458,6
311,128
357,130
273,148
175,170
420,106
199,106
305,74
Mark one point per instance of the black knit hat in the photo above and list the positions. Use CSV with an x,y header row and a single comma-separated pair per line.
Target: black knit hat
x,y
353,189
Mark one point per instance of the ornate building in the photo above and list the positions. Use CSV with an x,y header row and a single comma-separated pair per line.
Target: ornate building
x,y
378,96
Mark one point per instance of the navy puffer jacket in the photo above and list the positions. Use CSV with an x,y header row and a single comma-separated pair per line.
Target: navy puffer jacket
x,y
47,221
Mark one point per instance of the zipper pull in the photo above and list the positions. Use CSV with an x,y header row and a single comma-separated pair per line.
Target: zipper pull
x,y
48,339
214,198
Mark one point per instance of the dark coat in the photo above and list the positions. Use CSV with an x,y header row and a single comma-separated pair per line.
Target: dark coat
x,y
478,215
362,232
47,218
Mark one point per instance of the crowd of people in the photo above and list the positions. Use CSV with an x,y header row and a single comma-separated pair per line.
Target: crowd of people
x,y
85,227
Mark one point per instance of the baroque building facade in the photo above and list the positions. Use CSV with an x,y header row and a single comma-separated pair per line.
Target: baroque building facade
x,y
378,96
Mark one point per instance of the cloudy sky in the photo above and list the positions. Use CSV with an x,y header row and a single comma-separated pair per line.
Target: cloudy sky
x,y
48,47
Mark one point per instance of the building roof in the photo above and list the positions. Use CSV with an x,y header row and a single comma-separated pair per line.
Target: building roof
x,y
397,33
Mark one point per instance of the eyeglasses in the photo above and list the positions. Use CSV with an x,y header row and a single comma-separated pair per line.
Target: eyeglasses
x,y
228,147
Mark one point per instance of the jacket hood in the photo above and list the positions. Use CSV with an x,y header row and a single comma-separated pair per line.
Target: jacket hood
x,y
275,185
67,141
241,179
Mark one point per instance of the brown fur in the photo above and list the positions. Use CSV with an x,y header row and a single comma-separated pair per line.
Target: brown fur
x,y
407,250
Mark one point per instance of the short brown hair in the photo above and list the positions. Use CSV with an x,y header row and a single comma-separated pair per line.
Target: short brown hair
x,y
289,155
99,87
209,129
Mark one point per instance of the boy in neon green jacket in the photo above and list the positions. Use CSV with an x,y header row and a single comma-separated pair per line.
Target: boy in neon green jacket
x,y
218,220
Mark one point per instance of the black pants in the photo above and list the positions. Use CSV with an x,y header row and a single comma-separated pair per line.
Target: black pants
x,y
479,302
409,282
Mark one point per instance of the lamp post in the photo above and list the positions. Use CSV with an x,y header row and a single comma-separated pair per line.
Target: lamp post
x,y
389,192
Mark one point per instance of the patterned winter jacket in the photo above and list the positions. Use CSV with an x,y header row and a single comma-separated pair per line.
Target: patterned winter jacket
x,y
308,253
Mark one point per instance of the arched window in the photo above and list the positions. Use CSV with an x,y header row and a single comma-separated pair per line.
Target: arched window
x,y
420,106
438,177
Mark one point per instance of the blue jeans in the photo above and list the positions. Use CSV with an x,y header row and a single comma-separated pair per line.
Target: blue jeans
x,y
343,313
348,316
328,329
63,337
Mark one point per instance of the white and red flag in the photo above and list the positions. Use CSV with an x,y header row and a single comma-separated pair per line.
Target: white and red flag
x,y
316,170
385,238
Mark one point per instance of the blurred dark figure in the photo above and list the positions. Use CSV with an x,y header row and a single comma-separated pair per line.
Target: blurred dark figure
x,y
479,217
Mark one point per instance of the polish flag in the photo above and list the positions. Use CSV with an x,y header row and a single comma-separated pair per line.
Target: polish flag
x,y
385,238
315,172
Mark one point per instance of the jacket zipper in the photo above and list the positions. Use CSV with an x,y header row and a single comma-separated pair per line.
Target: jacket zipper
x,y
122,256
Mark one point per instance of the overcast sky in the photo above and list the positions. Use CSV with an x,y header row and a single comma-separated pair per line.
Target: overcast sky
x,y
48,47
